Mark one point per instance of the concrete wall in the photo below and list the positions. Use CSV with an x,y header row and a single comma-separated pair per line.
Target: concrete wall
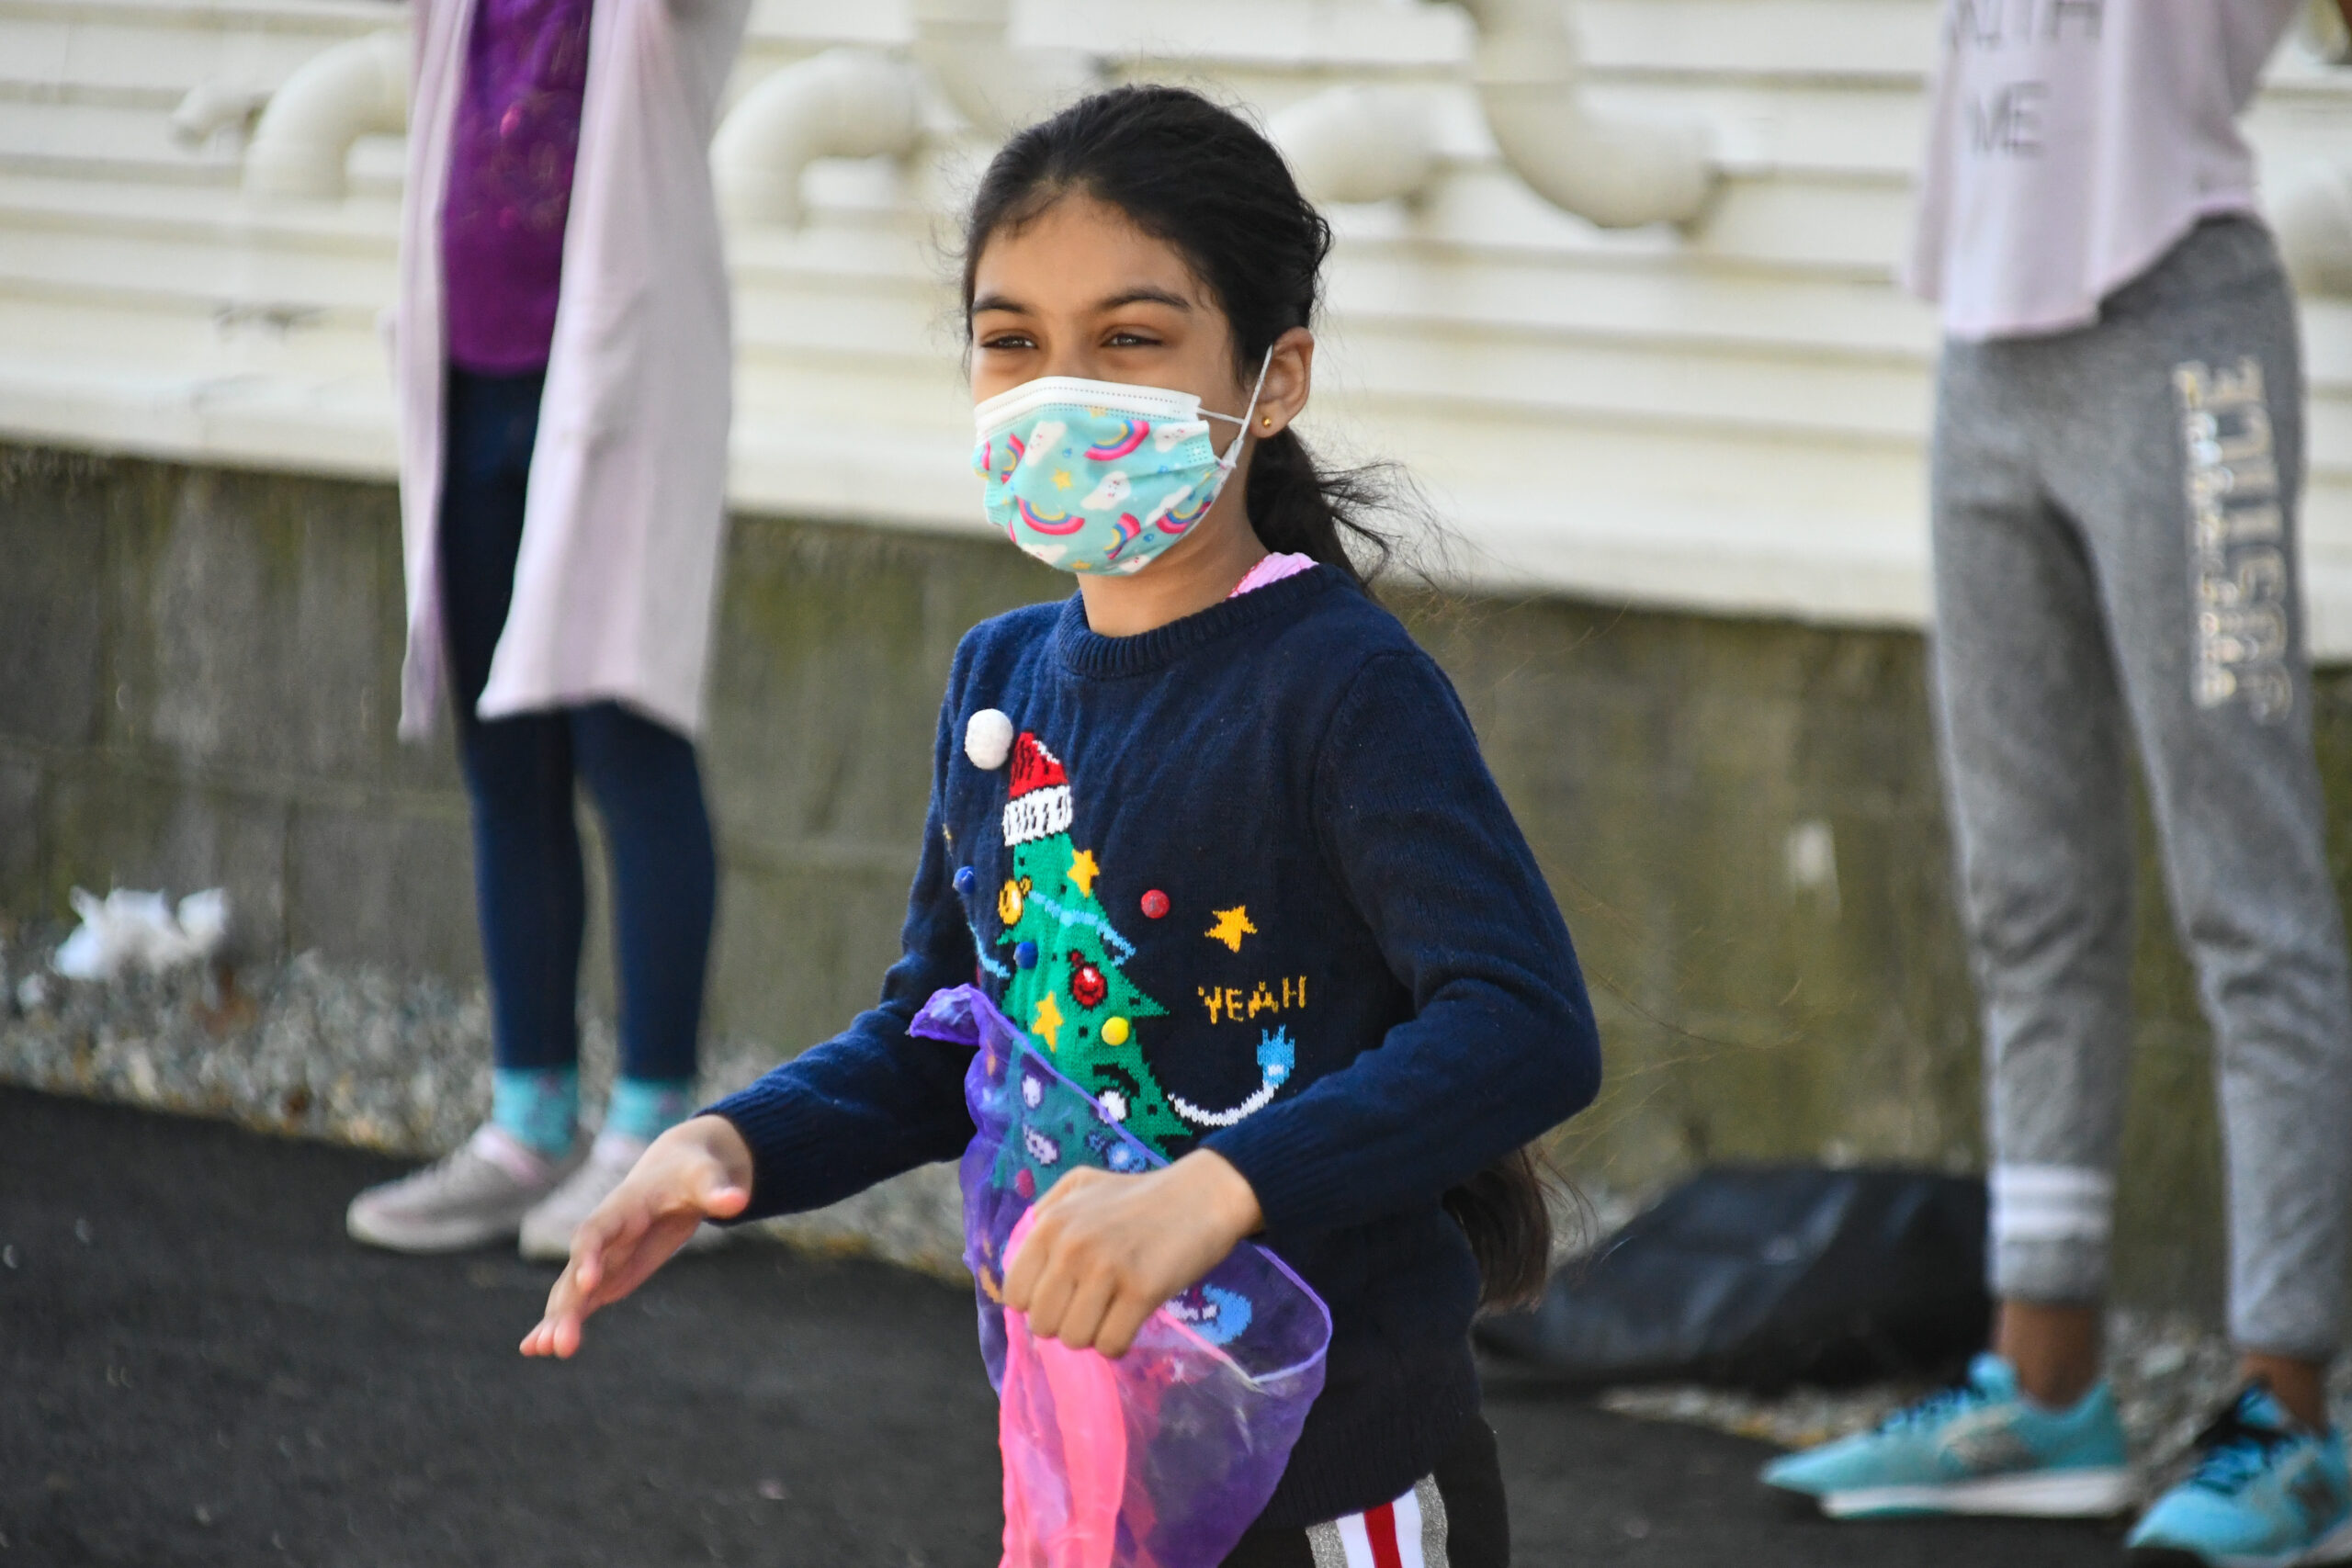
x,y
198,685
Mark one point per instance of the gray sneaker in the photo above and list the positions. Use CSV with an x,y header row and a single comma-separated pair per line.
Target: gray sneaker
x,y
477,1195
546,1229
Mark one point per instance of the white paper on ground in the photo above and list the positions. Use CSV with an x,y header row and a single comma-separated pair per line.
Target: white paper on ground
x,y
128,929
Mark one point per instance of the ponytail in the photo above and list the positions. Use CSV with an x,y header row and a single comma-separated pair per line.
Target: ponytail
x,y
1297,506
1505,1212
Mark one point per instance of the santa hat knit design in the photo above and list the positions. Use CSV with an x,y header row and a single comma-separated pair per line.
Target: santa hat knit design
x,y
1039,806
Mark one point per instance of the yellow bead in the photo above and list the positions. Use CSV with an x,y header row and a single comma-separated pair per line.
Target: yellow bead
x,y
1008,903
1115,1032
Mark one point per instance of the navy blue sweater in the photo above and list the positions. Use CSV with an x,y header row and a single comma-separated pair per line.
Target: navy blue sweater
x,y
1263,896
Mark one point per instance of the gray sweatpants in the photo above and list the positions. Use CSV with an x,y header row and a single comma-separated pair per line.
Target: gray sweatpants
x,y
2115,559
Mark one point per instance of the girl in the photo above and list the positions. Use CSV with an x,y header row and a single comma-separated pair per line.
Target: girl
x,y
1216,833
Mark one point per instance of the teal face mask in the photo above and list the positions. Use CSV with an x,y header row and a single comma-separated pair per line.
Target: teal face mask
x,y
1101,476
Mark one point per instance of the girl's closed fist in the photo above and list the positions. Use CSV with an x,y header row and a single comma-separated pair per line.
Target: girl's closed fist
x,y
1105,1252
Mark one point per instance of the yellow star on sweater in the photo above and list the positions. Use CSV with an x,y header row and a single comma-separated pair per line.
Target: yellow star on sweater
x,y
1083,871
1231,926
1048,1021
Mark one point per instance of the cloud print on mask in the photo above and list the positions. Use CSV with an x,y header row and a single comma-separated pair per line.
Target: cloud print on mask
x,y
1041,439
1114,488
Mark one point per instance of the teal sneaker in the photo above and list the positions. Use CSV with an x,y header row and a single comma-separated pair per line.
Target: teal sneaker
x,y
2264,1496
1978,1449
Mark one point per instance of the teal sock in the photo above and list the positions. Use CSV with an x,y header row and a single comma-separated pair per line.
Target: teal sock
x,y
647,1107
538,1105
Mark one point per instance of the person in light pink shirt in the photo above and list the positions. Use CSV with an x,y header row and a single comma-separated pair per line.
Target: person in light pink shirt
x,y
2116,467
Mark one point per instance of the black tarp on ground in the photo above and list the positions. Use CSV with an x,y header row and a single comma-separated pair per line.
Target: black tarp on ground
x,y
1758,1277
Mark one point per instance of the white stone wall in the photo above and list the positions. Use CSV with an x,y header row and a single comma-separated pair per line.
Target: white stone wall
x,y
1727,419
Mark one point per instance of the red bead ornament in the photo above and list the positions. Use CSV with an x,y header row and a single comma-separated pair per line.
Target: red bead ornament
x,y
1086,983
1155,904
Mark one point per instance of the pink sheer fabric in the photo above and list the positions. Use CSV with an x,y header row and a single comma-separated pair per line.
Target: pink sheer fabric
x,y
1062,1426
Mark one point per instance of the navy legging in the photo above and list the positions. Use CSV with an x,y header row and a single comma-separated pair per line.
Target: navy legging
x,y
529,887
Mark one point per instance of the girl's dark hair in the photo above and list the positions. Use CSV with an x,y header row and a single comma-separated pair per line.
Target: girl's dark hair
x,y
1203,180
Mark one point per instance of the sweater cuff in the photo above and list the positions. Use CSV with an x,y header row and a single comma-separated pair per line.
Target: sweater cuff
x,y
1300,1186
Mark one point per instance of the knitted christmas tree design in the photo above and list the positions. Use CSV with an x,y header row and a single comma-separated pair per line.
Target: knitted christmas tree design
x,y
1068,988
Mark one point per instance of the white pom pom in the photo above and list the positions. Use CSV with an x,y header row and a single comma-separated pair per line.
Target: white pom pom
x,y
988,740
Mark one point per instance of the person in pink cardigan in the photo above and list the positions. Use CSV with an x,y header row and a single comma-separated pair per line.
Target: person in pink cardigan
x,y
561,361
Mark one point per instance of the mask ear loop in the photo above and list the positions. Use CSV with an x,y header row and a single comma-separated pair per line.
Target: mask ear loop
x,y
1233,450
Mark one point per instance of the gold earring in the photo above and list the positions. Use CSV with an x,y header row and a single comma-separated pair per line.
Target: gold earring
x,y
1267,419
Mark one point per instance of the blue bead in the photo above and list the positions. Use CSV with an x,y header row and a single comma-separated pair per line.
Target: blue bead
x,y
1025,956
967,879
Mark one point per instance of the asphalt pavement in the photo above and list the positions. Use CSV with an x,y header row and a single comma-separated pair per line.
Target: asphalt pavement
x,y
197,1367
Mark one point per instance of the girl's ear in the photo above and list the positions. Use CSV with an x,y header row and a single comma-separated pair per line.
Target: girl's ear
x,y
1290,377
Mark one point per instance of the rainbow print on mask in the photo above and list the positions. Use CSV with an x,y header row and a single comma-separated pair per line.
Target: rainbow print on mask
x,y
1099,476
1058,525
1180,516
1111,451
1129,532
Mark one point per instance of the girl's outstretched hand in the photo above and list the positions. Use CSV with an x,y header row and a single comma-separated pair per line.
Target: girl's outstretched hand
x,y
1105,1252
699,1170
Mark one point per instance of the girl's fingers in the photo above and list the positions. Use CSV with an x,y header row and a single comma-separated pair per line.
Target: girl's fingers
x,y
570,1300
1083,1317
1049,1299
587,1266
1123,1321
1029,1264
561,1305
560,1296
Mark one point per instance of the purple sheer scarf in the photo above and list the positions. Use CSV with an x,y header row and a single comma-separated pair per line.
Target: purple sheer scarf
x,y
1202,1412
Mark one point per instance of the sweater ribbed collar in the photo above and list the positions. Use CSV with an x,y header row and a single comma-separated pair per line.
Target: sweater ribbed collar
x,y
1085,651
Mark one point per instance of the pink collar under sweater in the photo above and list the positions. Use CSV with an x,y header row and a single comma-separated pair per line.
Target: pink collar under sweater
x,y
1273,569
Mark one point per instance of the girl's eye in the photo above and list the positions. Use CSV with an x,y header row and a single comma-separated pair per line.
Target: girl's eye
x,y
1007,339
1129,339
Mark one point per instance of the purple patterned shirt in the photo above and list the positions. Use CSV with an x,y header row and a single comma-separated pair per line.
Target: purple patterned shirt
x,y
510,181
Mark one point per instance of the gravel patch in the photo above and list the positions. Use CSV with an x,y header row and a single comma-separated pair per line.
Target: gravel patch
x,y
351,1054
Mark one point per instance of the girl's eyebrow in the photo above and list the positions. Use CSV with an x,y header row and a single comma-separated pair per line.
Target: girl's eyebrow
x,y
1140,296
1146,296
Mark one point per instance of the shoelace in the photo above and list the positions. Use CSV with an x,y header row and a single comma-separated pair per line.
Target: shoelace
x,y
2232,1450
1940,1406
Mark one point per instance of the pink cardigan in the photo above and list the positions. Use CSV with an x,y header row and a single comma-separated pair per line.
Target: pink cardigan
x,y
615,589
